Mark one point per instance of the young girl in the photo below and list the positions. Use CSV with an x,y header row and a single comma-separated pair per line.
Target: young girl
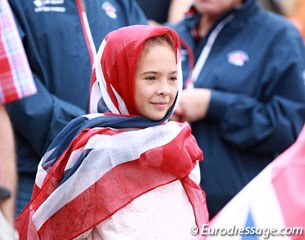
x,y
124,171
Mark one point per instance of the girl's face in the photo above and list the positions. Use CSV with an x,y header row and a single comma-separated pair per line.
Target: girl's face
x,y
156,82
215,7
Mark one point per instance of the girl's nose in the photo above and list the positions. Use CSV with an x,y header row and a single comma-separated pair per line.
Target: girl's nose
x,y
163,87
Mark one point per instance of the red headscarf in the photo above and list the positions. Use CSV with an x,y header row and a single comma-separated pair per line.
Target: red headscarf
x,y
117,59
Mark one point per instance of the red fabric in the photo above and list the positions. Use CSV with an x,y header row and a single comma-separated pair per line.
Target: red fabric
x,y
117,187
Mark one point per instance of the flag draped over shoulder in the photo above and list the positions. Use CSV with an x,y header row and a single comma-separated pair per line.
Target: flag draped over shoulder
x,y
71,196
271,206
99,163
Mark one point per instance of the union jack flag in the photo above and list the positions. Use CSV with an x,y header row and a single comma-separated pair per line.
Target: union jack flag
x,y
68,184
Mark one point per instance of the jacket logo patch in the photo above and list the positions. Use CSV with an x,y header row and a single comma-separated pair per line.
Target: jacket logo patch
x,y
238,58
109,9
49,6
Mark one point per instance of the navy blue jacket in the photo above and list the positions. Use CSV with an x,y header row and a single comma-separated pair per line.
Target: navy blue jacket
x,y
255,69
55,42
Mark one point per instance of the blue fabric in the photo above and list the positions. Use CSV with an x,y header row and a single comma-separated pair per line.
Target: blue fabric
x,y
24,192
156,10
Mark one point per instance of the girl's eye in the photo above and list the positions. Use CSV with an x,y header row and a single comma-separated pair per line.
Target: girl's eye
x,y
150,78
173,78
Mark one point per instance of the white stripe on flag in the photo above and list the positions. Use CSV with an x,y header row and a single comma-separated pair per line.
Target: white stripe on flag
x,y
41,173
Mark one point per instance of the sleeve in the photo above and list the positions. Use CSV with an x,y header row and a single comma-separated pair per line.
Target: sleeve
x,y
16,79
271,124
41,117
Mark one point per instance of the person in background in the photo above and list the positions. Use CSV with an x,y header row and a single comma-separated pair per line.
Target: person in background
x,y
162,11
16,82
124,171
245,95
60,40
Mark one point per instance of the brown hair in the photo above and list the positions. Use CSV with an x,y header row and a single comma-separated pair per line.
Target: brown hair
x,y
160,40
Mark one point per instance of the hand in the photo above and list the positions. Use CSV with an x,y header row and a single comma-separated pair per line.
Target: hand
x,y
193,105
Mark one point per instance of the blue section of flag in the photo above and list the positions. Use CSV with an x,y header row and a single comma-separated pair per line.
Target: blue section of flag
x,y
68,173
249,225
